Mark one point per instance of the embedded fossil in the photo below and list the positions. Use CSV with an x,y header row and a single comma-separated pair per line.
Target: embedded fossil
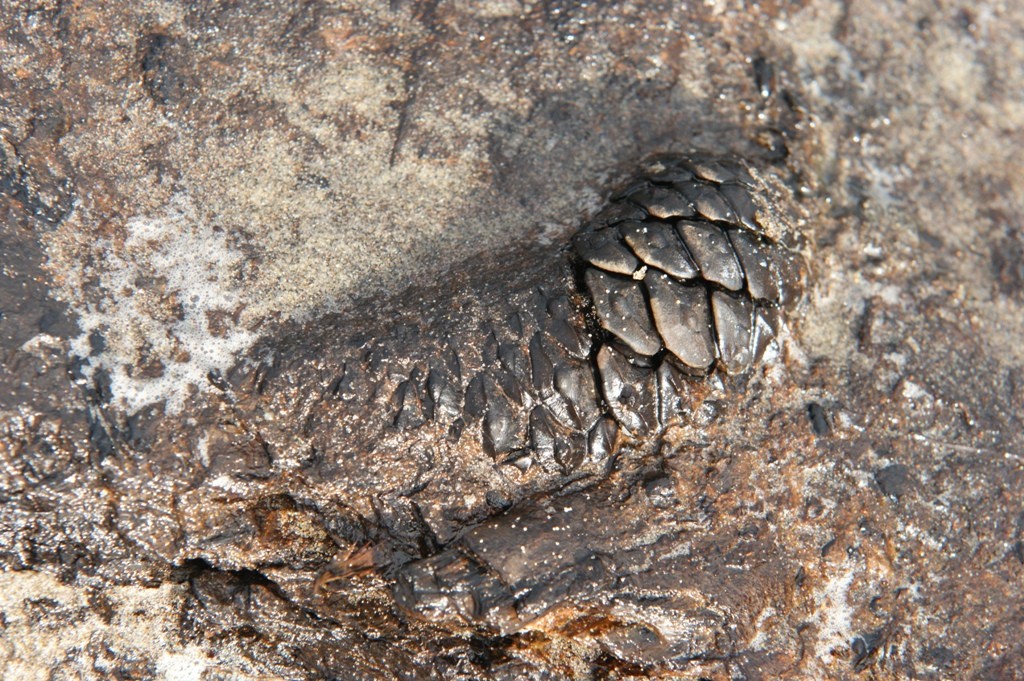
x,y
678,275
544,370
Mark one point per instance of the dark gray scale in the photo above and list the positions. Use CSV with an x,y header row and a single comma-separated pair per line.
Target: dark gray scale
x,y
605,249
671,174
514,324
658,245
444,398
690,189
449,363
662,203
629,392
508,382
631,188
761,281
575,383
489,347
543,360
622,311
787,268
410,411
512,370
721,171
502,432
570,452
601,439
672,389
734,326
742,203
542,372
475,401
538,548
615,213
677,162
542,434
683,319
536,308
571,336
766,330
668,170
707,201
710,247
512,357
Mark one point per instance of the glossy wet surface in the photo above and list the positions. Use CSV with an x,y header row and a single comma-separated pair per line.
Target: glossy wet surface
x,y
182,187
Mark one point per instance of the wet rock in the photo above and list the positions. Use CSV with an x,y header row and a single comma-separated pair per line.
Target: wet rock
x,y
176,183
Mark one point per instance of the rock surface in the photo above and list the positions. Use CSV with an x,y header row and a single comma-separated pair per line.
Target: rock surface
x,y
187,191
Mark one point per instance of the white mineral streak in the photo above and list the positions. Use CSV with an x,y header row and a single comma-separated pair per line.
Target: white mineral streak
x,y
160,293
50,626
834,613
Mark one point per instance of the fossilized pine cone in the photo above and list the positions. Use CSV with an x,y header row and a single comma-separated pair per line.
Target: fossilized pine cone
x,y
679,265
510,378
680,273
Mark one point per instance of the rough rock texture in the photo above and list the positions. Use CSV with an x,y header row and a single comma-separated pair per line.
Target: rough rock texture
x,y
187,192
